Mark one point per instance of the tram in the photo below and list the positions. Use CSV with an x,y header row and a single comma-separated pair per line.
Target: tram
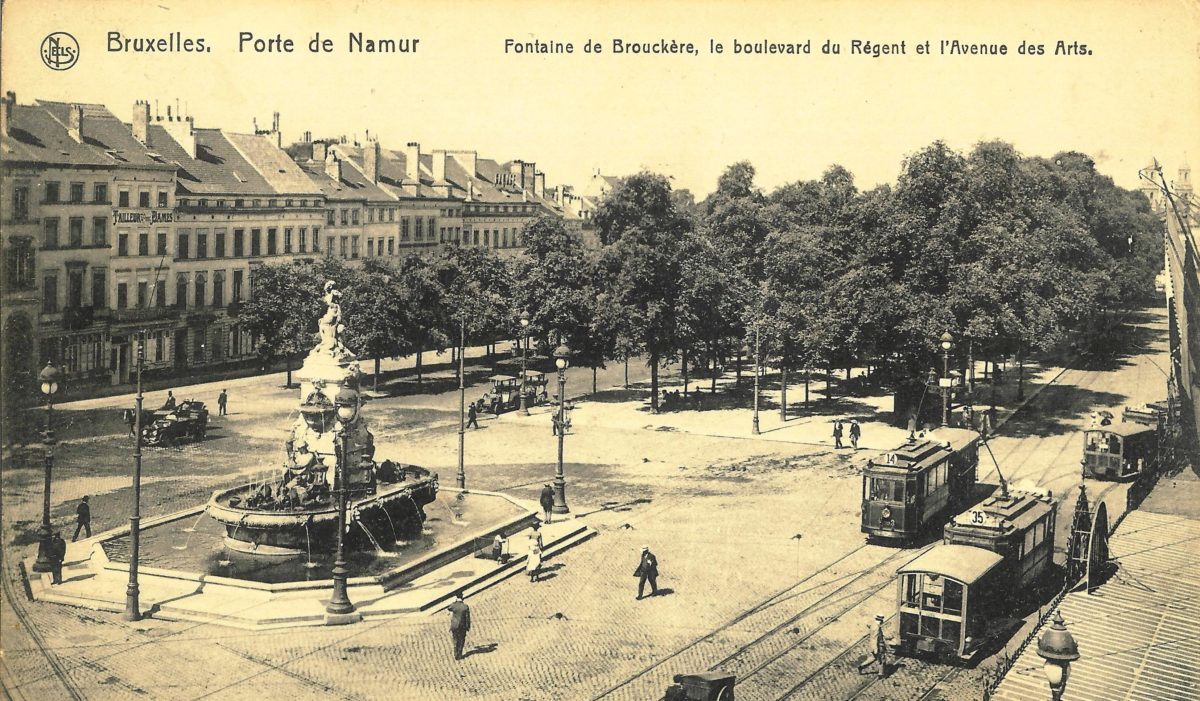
x,y
1124,450
958,596
917,484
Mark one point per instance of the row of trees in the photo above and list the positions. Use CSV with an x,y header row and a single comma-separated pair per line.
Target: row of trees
x,y
1013,255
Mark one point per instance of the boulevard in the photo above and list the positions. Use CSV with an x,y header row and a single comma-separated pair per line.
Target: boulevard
x,y
763,570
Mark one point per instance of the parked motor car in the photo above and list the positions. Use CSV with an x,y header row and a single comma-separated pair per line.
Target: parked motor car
x,y
187,421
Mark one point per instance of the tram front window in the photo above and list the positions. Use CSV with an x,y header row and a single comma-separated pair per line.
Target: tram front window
x,y
887,490
912,590
952,601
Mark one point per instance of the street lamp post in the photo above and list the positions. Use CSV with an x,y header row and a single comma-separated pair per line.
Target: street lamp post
x,y
347,408
1057,647
947,343
562,356
133,609
524,358
48,378
461,477
757,372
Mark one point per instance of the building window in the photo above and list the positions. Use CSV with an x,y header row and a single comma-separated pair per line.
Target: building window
x,y
99,231
18,259
181,290
345,244
76,192
432,227
487,237
161,243
256,242
271,241
404,228
316,239
354,216
75,288
20,199
239,203
160,293
329,217
345,217
370,215
144,199
143,293
391,246
201,289
303,238
49,294
218,289
162,199
51,193
75,231
239,248
181,246
329,246
287,239
419,233
201,243
99,289
123,198
122,295
122,243
354,246
100,193
237,286
220,243
50,232
221,204
143,243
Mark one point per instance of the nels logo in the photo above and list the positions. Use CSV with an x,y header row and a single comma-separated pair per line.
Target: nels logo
x,y
59,51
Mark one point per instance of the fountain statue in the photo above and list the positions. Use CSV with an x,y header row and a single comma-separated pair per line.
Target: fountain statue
x,y
286,515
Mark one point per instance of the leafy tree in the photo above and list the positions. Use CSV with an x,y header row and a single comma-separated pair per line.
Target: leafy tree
x,y
642,266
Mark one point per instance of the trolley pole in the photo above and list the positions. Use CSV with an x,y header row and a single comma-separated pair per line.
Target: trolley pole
x,y
945,387
461,477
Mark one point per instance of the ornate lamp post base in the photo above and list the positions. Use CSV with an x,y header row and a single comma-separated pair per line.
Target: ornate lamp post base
x,y
42,564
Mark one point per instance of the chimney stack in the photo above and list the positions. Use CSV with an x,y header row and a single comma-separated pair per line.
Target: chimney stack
x,y
75,123
333,166
141,121
6,111
275,130
181,130
471,190
412,162
440,161
371,156
539,184
319,150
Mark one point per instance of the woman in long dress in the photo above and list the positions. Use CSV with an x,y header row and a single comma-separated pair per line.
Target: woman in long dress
x,y
533,563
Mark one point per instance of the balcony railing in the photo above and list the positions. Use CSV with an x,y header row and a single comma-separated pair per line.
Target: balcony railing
x,y
144,314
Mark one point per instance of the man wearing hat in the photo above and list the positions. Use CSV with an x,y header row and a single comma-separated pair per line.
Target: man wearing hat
x,y
647,570
83,519
58,553
460,623
547,501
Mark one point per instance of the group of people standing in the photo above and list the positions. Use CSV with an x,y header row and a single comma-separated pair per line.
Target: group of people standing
x,y
57,550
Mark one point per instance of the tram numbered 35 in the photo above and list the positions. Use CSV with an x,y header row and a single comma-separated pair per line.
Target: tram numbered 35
x,y
956,597
911,489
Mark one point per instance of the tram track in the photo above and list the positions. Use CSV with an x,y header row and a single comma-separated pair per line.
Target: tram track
x,y
58,670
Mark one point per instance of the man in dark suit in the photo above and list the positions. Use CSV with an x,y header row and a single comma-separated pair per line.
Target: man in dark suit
x,y
460,623
58,553
647,571
83,519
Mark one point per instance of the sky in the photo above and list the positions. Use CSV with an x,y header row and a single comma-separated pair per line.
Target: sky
x,y
1136,96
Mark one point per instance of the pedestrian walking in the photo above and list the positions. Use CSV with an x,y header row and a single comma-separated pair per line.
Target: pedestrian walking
x,y
855,433
58,554
533,563
460,623
130,418
170,403
472,417
83,519
223,403
647,571
555,425
547,501
837,433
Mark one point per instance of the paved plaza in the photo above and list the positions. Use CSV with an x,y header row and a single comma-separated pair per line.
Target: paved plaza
x,y
763,568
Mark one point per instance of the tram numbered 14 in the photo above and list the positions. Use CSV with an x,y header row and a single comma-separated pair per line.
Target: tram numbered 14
x,y
912,488
958,596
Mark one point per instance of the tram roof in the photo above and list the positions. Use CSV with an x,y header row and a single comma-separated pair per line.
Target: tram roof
x,y
499,378
1125,428
963,563
917,454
